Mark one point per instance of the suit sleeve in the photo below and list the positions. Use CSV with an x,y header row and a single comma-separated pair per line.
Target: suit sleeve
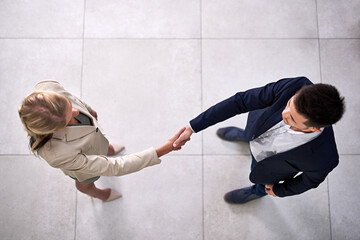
x,y
242,102
301,183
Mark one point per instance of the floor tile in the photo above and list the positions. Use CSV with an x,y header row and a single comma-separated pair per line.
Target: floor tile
x,y
259,19
146,71
143,19
143,90
340,64
304,216
339,19
160,202
230,66
344,205
37,201
23,63
41,19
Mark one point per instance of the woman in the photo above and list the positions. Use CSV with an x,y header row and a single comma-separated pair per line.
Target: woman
x,y
65,132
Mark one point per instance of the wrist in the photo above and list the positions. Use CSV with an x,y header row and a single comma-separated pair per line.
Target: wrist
x,y
190,129
164,149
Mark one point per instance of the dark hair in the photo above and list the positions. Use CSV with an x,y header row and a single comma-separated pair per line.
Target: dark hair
x,y
321,104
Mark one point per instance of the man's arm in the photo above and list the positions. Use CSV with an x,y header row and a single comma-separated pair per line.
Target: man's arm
x,y
241,102
300,184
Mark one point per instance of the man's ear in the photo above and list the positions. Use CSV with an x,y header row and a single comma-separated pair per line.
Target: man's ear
x,y
314,129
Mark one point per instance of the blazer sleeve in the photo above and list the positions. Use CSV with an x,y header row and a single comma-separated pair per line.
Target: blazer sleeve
x,y
99,165
301,183
242,102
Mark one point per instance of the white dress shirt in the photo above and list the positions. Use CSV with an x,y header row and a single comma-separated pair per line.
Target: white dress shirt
x,y
280,138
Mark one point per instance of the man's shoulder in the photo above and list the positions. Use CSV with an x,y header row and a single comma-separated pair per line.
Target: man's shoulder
x,y
296,82
325,149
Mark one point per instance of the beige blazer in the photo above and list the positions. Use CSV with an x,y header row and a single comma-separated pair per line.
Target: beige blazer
x,y
80,151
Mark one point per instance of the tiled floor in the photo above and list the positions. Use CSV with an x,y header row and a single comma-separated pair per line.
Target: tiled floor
x,y
148,67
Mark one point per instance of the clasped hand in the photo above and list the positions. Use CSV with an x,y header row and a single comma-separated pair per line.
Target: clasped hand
x,y
175,142
183,138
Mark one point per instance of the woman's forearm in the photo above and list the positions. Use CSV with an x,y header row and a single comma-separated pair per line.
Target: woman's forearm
x,y
164,149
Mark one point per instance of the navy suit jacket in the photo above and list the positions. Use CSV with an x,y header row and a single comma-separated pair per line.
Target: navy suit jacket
x,y
313,160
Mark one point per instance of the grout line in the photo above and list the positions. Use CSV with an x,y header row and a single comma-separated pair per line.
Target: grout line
x,y
328,188
349,154
320,59
82,53
259,38
215,154
190,38
40,38
202,134
170,155
16,155
202,197
317,19
274,38
183,155
318,40
75,220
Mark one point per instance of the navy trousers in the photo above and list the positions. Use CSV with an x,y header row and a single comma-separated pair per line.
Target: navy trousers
x,y
258,189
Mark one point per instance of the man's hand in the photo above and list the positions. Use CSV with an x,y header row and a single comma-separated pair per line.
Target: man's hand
x,y
269,189
94,113
175,137
168,146
184,137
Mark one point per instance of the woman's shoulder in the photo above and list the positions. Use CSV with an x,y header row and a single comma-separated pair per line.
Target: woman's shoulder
x,y
49,85
57,152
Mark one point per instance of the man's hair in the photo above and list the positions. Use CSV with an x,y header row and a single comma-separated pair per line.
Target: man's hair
x,y
321,104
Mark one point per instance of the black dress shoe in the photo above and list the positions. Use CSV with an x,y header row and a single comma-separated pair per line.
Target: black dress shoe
x,y
232,134
240,196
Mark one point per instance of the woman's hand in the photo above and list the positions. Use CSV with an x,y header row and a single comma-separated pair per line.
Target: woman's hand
x,y
168,146
94,114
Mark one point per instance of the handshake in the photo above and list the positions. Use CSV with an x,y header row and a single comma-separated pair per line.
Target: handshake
x,y
175,142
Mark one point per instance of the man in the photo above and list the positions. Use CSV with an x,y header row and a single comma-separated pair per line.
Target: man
x,y
289,129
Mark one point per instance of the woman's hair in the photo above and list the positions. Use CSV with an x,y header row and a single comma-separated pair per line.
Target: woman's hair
x,y
321,104
42,114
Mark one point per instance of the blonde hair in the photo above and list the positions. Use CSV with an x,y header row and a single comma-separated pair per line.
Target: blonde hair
x,y
42,114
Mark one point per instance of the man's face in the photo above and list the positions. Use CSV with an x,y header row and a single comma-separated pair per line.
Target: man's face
x,y
294,119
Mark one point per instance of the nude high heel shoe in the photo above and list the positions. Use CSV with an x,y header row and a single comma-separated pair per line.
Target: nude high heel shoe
x,y
117,149
113,195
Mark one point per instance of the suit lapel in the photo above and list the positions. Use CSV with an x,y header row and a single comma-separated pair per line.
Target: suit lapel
x,y
263,120
75,132
270,122
71,133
